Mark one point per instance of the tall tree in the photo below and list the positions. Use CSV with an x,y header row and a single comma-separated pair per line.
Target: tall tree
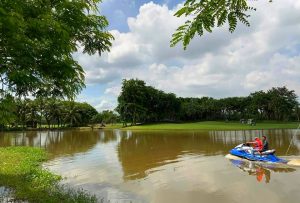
x,y
72,115
260,105
87,112
7,111
282,102
37,39
132,101
32,113
55,110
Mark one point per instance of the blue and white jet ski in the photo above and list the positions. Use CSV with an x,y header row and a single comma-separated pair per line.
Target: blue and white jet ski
x,y
244,151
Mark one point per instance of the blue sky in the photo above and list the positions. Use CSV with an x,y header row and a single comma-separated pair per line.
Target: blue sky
x,y
264,55
117,11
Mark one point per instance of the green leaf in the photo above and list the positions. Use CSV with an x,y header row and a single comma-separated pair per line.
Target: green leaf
x,y
208,14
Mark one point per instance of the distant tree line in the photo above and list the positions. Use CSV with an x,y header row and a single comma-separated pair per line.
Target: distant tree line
x,y
139,103
49,113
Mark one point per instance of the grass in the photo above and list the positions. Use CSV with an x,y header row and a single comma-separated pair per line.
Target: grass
x,y
114,126
215,125
21,171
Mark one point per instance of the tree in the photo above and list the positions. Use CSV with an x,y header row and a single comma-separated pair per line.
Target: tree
x,y
54,112
207,14
139,103
98,118
41,105
109,116
21,112
32,113
72,114
87,112
37,39
7,111
260,105
297,112
132,101
282,102
190,109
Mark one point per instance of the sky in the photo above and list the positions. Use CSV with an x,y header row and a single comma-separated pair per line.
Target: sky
x,y
220,64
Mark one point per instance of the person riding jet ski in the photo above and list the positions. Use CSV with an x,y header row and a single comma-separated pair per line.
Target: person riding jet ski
x,y
257,145
258,152
265,144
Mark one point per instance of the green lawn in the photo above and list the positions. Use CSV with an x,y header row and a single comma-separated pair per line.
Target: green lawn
x,y
21,171
114,126
215,125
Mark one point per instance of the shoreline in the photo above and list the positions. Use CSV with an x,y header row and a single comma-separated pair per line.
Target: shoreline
x,y
190,126
213,126
22,174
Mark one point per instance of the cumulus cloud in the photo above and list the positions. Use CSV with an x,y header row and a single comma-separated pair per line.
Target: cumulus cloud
x,y
114,90
219,64
106,105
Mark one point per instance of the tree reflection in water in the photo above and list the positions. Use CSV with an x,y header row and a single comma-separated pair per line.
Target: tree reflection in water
x,y
58,143
140,152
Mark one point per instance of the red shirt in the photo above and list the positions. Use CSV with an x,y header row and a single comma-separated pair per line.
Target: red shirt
x,y
258,144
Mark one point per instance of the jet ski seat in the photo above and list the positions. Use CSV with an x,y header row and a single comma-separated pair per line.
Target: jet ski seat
x,y
271,151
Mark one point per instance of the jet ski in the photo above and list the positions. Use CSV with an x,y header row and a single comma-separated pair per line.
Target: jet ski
x,y
244,151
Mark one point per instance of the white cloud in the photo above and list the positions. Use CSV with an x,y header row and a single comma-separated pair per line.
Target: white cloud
x,y
257,79
114,90
100,75
105,105
219,64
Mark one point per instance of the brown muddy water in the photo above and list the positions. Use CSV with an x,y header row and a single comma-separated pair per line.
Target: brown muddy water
x,y
125,166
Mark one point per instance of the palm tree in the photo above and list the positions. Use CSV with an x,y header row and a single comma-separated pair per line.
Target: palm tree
x,y
41,105
47,112
53,112
31,115
72,115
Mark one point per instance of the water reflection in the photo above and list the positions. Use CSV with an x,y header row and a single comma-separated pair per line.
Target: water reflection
x,y
139,152
58,143
278,139
261,170
167,166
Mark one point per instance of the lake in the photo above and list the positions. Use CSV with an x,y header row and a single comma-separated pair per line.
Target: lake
x,y
167,166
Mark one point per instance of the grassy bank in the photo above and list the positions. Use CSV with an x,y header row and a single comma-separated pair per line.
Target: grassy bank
x,y
215,125
21,171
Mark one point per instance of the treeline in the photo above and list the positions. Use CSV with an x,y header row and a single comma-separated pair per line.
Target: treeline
x,y
139,103
49,113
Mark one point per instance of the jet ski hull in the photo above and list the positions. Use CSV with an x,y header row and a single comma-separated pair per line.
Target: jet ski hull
x,y
239,152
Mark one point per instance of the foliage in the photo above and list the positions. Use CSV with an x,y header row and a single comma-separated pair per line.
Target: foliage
x,y
105,117
87,112
140,103
72,114
282,102
20,171
7,110
275,104
37,39
204,15
40,111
